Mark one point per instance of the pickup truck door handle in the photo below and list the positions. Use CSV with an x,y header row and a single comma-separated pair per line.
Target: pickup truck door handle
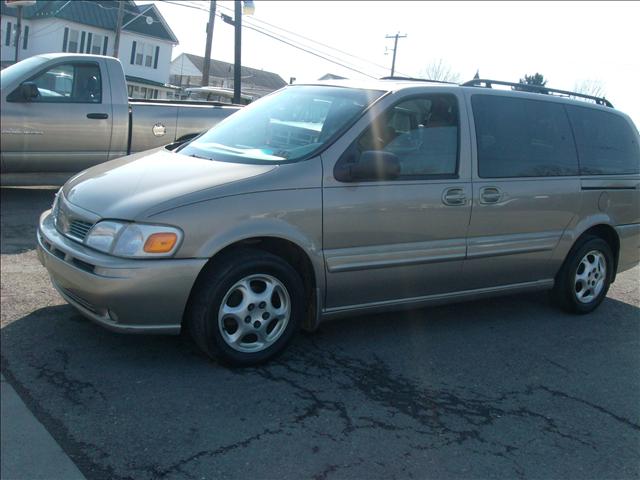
x,y
98,116
490,195
454,196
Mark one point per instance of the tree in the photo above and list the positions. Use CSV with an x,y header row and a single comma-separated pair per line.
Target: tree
x,y
537,79
441,71
594,88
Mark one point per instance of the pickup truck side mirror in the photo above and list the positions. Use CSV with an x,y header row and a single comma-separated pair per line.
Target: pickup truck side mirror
x,y
29,91
371,166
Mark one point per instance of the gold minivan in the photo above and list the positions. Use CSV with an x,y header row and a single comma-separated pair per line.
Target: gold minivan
x,y
325,200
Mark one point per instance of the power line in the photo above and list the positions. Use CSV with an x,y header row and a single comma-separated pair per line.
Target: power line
x,y
289,41
315,41
308,51
331,57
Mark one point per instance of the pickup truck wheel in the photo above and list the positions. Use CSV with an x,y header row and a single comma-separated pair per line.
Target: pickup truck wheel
x,y
246,309
584,279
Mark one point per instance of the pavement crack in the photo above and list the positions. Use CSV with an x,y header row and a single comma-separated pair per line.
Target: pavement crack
x,y
72,389
623,420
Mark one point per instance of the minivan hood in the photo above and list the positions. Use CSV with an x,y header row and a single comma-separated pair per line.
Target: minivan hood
x,y
126,187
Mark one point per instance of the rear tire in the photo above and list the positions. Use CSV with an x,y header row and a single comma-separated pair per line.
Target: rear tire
x,y
246,308
584,279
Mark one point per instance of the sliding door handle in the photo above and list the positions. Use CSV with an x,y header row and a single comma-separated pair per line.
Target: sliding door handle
x,y
490,195
97,116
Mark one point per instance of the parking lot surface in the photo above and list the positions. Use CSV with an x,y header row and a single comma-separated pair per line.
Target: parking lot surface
x,y
502,388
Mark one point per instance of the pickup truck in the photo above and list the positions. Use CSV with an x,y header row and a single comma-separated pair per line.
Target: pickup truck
x,y
63,113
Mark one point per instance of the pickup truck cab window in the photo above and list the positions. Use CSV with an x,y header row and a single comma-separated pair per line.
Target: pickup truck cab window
x,y
69,83
292,124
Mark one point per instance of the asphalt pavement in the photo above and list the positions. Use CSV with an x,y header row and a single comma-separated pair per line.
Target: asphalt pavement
x,y
502,388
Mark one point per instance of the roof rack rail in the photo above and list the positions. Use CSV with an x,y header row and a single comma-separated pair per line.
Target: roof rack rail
x,y
417,80
486,83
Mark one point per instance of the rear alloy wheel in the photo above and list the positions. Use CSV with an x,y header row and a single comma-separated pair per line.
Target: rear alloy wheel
x,y
246,307
584,279
590,276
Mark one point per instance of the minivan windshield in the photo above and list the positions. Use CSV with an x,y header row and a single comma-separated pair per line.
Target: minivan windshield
x,y
285,126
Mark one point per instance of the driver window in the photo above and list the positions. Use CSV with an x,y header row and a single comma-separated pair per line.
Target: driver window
x,y
69,83
421,132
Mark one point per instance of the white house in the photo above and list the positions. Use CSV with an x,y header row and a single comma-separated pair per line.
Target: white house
x,y
146,41
186,71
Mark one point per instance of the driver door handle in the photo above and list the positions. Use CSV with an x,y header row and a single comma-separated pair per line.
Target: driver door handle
x,y
454,196
97,116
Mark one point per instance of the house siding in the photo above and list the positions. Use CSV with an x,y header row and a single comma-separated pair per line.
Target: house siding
x,y
47,36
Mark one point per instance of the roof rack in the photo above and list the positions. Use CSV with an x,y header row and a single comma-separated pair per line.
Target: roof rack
x,y
486,83
412,79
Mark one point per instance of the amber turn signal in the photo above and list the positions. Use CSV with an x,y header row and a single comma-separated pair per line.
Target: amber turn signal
x,y
160,242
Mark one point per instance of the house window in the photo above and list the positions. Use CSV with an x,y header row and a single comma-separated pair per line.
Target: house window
x,y
130,90
96,45
148,55
144,54
25,38
72,46
8,34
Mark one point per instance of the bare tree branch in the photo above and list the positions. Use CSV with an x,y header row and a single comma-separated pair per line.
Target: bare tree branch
x,y
440,70
590,87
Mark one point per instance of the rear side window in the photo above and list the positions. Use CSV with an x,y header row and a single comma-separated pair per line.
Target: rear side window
x,y
522,138
606,143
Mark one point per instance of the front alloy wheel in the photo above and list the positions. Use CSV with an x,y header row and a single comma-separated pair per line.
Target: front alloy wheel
x,y
246,307
254,313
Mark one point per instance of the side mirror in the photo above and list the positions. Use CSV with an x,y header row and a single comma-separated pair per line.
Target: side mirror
x,y
29,91
172,146
182,141
372,165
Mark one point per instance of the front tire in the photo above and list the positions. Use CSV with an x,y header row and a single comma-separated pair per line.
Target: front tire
x,y
246,308
584,279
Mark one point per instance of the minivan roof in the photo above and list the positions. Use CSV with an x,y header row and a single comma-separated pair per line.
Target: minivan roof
x,y
393,84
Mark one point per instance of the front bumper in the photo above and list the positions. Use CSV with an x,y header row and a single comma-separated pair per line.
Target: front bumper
x,y
123,295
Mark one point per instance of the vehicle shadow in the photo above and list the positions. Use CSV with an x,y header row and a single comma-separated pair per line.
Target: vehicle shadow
x,y
486,367
21,209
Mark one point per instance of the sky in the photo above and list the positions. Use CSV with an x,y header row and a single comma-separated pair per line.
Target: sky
x,y
567,42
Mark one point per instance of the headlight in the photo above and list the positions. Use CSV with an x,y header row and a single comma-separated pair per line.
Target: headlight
x,y
134,239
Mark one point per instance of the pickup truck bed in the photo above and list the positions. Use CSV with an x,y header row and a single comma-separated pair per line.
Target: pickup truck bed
x,y
63,113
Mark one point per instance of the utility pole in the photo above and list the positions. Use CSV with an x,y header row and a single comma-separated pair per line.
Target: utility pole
x,y
395,48
238,52
207,52
116,44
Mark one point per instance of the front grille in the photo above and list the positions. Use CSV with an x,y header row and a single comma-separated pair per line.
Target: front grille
x,y
79,229
68,223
